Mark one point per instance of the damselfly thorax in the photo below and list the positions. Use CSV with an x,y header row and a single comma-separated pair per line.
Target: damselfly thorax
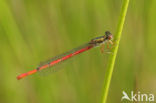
x,y
102,39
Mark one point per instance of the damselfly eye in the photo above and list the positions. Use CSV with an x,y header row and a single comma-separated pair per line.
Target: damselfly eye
x,y
109,36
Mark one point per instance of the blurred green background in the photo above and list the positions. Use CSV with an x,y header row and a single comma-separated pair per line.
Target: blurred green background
x,y
32,31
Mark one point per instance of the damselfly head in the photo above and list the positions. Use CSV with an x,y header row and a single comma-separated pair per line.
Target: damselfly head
x,y
108,35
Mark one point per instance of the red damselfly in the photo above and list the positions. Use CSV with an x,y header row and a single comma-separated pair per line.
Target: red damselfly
x,y
107,38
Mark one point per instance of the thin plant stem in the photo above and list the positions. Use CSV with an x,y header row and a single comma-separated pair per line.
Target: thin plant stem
x,y
112,58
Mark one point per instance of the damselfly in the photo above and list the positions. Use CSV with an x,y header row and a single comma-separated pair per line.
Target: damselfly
x,y
107,38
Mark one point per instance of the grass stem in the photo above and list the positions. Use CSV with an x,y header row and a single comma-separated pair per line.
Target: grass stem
x,y
112,58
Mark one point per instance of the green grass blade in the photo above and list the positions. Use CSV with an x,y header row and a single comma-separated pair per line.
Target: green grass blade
x,y
109,71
